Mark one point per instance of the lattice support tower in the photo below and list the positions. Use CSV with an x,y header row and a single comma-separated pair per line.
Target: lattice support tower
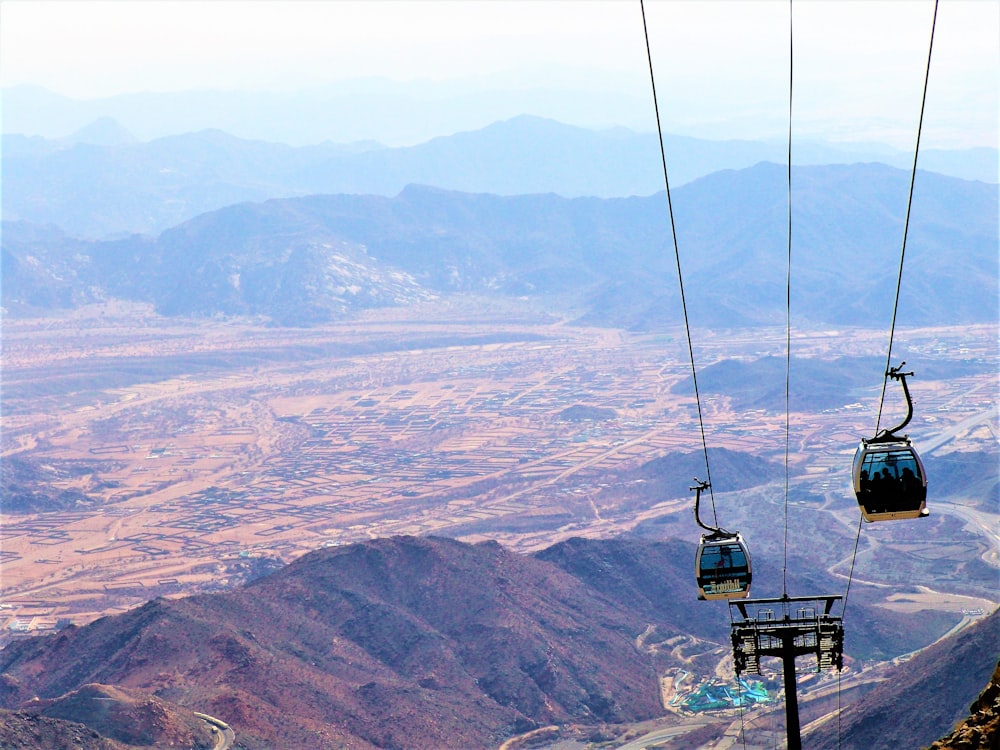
x,y
788,627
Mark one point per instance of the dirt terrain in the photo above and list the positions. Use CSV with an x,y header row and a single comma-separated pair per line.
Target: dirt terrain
x,y
163,457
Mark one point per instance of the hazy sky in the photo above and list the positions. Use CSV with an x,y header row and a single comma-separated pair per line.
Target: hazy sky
x,y
859,64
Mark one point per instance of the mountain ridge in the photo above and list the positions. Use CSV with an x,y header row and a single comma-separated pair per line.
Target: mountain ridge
x,y
99,183
405,642
302,261
404,625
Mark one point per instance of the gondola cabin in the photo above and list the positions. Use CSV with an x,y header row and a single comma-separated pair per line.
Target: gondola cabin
x,y
889,481
722,567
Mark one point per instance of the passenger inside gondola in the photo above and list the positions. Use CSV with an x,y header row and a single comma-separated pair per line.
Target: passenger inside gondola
x,y
890,482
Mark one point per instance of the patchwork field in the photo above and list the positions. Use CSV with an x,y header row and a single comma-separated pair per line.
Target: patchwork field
x,y
145,456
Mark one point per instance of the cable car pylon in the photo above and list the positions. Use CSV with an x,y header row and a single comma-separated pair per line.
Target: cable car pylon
x,y
809,630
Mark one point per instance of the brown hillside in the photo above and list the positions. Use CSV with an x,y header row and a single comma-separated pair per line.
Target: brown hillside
x,y
655,578
424,642
401,642
130,717
921,700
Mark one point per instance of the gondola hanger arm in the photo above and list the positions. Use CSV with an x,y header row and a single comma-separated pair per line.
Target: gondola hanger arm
x,y
886,436
717,532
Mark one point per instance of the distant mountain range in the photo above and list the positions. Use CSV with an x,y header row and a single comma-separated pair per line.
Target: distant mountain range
x,y
101,182
606,262
410,642
394,112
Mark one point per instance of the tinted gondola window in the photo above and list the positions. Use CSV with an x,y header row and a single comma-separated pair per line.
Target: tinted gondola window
x,y
722,560
890,480
723,570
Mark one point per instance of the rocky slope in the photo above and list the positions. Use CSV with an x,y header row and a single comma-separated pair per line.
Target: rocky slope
x,y
102,717
922,699
24,730
982,727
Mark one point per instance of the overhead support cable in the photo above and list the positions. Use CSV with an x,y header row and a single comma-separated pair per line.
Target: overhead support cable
x,y
677,258
788,301
899,279
906,223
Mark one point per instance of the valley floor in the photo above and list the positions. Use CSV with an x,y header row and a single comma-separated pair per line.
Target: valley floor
x,y
159,457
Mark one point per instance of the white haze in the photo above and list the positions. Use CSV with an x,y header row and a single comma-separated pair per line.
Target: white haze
x,y
721,67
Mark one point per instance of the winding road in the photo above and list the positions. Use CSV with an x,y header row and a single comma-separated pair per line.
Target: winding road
x,y
224,734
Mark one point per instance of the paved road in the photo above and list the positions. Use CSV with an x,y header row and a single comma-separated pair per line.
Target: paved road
x,y
659,736
948,434
986,524
224,734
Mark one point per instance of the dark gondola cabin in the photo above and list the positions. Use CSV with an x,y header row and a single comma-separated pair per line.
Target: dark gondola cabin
x,y
722,567
889,481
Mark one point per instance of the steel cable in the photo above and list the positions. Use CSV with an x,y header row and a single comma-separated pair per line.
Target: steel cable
x,y
677,258
788,300
906,223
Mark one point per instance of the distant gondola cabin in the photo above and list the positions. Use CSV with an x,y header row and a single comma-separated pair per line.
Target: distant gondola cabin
x,y
889,481
722,567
